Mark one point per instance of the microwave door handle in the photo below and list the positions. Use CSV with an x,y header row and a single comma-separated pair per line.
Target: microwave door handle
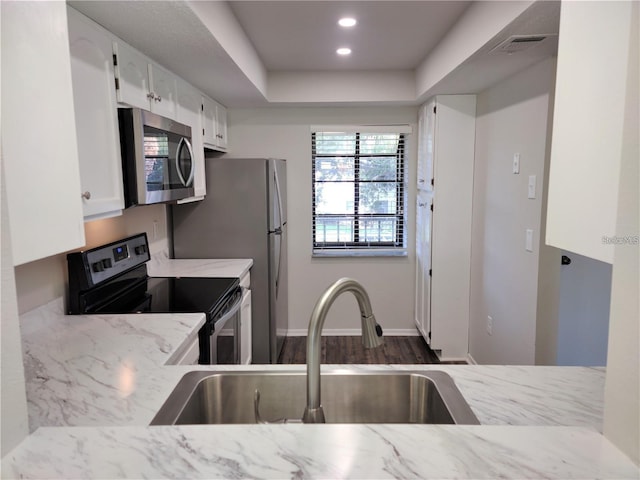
x,y
181,144
192,171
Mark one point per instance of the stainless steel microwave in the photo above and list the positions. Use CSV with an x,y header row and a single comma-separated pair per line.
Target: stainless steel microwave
x,y
157,158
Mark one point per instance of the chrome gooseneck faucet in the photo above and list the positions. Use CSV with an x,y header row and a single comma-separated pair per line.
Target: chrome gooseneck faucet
x,y
371,338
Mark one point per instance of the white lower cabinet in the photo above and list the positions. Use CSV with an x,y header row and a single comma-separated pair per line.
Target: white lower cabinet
x,y
39,143
191,355
443,223
245,321
96,116
422,310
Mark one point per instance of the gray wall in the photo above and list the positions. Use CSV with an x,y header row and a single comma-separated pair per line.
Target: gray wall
x,y
285,133
583,315
512,117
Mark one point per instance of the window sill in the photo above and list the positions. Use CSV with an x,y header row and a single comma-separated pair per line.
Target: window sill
x,y
359,253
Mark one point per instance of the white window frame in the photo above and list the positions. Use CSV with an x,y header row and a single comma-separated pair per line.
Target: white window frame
x,y
338,249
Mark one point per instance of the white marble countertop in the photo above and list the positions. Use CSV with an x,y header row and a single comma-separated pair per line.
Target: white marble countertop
x,y
99,369
106,370
161,265
95,382
318,451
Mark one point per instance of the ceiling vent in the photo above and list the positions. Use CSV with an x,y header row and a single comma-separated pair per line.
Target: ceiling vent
x,y
520,43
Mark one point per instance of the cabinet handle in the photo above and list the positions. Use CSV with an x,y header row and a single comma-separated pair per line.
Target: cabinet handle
x,y
151,96
158,98
86,195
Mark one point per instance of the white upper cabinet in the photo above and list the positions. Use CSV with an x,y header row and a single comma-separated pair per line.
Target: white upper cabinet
x,y
208,122
587,141
96,117
132,70
39,143
144,84
164,87
189,113
221,127
427,129
214,124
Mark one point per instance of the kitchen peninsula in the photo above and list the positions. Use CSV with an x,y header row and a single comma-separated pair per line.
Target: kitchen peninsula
x,y
95,382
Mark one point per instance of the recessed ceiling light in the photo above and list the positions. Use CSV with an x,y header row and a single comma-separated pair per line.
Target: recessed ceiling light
x,y
343,51
347,22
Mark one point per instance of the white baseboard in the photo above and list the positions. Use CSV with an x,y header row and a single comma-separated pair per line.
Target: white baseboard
x,y
352,332
471,360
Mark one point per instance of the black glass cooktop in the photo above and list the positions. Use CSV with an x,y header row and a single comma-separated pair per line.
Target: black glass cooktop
x,y
173,295
187,295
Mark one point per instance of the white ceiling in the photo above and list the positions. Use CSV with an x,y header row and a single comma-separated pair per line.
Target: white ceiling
x,y
304,35
239,51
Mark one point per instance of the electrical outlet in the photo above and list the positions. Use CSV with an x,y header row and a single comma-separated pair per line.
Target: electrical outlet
x,y
489,325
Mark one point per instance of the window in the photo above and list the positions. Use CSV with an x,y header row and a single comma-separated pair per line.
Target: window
x,y
358,193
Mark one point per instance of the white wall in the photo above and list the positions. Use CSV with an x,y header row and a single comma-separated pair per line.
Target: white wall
x,y
512,118
622,388
285,133
15,423
479,24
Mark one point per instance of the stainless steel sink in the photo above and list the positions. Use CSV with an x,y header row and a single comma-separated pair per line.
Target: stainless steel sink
x,y
205,397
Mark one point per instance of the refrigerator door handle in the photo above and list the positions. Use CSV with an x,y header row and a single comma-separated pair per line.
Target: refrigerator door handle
x,y
278,233
277,183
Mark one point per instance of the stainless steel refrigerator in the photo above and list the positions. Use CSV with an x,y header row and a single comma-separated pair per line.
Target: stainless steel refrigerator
x,y
244,215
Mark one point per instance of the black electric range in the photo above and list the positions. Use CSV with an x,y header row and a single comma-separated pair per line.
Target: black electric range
x,y
113,279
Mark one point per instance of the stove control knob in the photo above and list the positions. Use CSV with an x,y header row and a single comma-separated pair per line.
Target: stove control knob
x,y
106,263
97,267
141,249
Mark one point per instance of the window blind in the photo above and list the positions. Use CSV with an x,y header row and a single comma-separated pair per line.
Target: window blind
x,y
358,193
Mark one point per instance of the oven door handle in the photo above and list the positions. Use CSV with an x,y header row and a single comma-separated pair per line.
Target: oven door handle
x,y
231,312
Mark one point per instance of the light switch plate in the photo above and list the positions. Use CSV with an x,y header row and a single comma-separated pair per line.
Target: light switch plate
x,y
516,163
529,240
532,186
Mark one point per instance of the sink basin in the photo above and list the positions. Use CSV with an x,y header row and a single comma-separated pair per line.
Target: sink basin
x,y
205,397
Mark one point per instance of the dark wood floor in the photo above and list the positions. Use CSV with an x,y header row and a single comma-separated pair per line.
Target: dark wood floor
x,y
395,350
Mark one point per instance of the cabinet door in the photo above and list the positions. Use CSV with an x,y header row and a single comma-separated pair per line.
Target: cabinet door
x,y
164,89
426,145
209,122
96,116
587,143
245,328
39,144
132,70
221,127
189,109
423,264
